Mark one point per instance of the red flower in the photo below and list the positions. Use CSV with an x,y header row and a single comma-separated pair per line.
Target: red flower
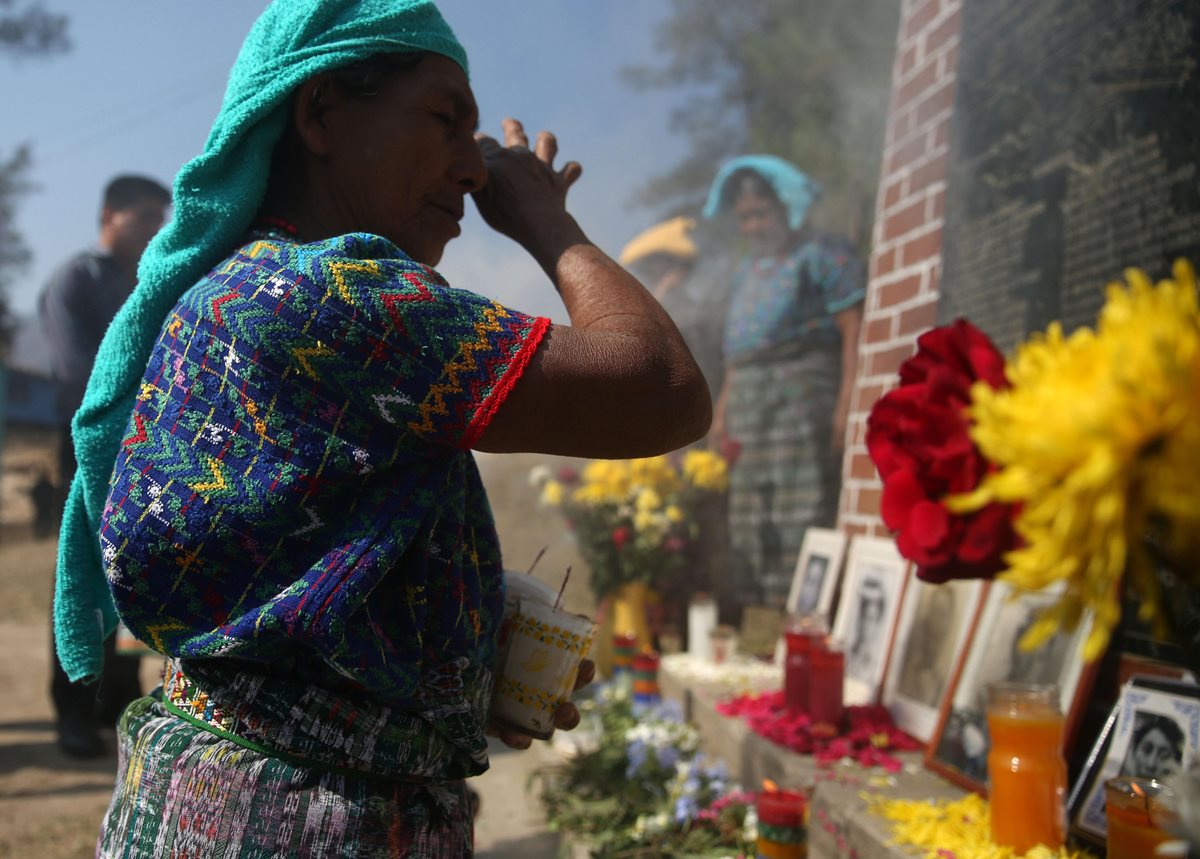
x,y
620,536
917,436
566,474
674,543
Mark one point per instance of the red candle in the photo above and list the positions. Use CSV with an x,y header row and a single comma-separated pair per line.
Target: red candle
x,y
782,824
801,641
826,677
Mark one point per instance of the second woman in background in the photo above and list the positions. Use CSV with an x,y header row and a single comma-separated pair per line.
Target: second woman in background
x,y
791,339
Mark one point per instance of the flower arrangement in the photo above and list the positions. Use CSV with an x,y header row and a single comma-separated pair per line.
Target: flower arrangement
x,y
1079,463
644,789
634,519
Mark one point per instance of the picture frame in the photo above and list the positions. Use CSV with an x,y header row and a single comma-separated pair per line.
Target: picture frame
x,y
1152,731
958,748
818,570
869,608
935,627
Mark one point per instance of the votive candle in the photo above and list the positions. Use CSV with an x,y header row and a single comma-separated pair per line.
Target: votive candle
x,y
1138,811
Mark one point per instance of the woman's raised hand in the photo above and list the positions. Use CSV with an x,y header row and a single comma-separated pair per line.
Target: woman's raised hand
x,y
525,197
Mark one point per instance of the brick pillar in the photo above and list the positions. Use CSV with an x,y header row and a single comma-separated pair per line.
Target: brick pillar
x,y
906,255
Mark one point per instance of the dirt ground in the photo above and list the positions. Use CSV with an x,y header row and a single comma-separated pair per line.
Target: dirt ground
x,y
51,805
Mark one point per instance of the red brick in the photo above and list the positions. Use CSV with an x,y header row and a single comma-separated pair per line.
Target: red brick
x,y
878,330
921,81
907,59
882,263
865,397
918,319
868,502
900,291
920,16
862,468
891,194
902,125
904,221
933,170
936,101
945,31
939,135
854,529
937,206
949,64
888,361
924,247
907,153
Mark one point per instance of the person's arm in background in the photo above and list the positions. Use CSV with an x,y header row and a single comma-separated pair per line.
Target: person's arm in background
x,y
619,381
848,322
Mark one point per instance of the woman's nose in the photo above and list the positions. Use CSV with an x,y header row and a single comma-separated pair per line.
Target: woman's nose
x,y
470,171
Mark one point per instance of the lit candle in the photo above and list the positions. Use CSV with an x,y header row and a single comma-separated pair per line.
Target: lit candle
x,y
1138,812
782,823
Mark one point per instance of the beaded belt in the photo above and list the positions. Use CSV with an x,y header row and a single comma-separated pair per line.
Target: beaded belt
x,y
184,698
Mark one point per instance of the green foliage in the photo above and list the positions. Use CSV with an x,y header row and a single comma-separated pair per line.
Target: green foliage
x,y
14,254
642,790
803,79
31,30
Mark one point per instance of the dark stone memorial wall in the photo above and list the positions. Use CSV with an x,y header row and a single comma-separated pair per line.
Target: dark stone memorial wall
x,y
1074,154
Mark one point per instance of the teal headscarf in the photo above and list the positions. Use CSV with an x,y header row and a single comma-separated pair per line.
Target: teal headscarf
x,y
794,188
216,196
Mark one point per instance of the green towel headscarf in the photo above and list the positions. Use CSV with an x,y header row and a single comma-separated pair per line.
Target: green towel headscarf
x,y
216,197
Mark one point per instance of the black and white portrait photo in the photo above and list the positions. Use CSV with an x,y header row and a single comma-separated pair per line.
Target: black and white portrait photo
x,y
867,640
1156,746
816,575
995,656
1155,735
867,614
810,589
934,628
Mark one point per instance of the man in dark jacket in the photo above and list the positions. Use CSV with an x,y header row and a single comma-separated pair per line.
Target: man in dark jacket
x,y
76,306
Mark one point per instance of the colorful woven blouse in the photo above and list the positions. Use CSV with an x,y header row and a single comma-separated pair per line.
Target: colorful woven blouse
x,y
790,302
296,501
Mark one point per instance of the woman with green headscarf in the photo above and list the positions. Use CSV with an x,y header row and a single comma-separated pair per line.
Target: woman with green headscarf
x,y
275,447
791,347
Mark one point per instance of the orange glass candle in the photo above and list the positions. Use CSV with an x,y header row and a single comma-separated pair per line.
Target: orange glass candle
x,y
1027,774
1138,812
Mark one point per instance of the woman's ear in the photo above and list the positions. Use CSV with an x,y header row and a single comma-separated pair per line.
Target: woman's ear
x,y
309,113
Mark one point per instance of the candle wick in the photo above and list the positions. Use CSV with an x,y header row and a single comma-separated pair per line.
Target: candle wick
x,y
535,560
566,579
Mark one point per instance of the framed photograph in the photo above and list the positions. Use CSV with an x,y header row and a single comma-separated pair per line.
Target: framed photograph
x,y
935,626
867,613
817,572
959,746
1152,732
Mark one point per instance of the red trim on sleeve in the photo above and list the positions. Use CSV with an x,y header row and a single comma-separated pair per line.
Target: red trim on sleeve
x,y
504,385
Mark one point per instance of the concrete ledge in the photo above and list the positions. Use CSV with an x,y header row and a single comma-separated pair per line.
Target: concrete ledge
x,y
840,825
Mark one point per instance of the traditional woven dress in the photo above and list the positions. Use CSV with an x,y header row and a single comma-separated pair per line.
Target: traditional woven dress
x,y
784,349
296,520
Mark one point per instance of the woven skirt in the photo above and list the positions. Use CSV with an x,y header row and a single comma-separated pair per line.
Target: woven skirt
x,y
785,479
183,791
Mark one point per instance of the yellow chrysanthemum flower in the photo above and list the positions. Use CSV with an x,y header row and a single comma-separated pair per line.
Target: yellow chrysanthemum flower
x,y
673,513
655,472
613,474
648,500
553,493
705,470
1098,441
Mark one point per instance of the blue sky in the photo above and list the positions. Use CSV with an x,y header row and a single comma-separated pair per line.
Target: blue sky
x,y
143,81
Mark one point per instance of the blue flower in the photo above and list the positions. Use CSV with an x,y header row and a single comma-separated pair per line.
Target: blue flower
x,y
635,752
685,809
667,756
